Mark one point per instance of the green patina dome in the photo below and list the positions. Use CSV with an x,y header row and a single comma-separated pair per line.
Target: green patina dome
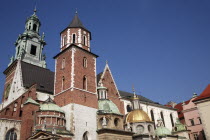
x,y
162,131
107,106
49,105
179,126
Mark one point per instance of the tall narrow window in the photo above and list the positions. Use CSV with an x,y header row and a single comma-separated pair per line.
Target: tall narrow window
x,y
74,38
172,122
34,27
63,63
85,82
84,39
199,120
128,108
192,122
63,81
33,50
85,62
18,49
162,117
152,115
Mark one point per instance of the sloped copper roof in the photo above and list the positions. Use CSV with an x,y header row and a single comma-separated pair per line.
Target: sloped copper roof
x,y
44,78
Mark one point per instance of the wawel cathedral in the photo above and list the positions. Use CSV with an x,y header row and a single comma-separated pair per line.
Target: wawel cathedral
x,y
75,102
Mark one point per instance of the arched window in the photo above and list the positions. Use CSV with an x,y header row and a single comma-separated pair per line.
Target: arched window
x,y
84,38
63,63
152,115
85,82
7,90
74,38
116,122
140,129
34,27
11,135
172,122
29,26
162,117
128,108
63,81
85,136
85,62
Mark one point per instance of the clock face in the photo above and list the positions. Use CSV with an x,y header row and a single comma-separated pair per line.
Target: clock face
x,y
6,93
140,129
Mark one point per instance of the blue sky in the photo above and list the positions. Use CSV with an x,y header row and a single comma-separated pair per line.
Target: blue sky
x,y
159,46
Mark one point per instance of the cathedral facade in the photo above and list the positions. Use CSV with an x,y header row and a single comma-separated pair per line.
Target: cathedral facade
x,y
74,102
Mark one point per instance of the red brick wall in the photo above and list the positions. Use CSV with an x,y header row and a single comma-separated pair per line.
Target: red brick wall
x,y
76,96
10,113
28,120
9,78
112,92
66,72
75,31
80,71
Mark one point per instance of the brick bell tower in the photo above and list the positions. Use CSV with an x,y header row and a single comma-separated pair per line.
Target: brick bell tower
x,y
75,88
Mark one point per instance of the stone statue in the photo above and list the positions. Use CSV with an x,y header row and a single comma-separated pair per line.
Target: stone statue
x,y
11,60
20,55
104,122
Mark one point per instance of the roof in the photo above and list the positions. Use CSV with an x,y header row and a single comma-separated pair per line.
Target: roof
x,y
30,100
129,95
73,45
162,131
49,105
137,115
107,106
44,78
76,23
180,108
205,94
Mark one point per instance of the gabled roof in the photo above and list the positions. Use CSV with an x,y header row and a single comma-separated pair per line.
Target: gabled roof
x,y
205,94
44,78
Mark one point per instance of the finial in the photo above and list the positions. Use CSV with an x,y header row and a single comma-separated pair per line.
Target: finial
x,y
106,61
194,95
134,92
76,11
35,10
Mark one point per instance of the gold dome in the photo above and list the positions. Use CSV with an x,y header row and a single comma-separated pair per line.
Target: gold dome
x,y
137,116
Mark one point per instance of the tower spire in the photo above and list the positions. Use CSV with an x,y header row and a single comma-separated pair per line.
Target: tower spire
x,y
134,92
35,9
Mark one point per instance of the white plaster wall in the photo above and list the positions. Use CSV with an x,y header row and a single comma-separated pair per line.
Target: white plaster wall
x,y
126,102
6,125
80,119
17,88
43,96
156,111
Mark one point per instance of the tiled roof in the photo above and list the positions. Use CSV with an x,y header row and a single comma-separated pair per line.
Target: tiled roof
x,y
44,78
205,94
76,23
